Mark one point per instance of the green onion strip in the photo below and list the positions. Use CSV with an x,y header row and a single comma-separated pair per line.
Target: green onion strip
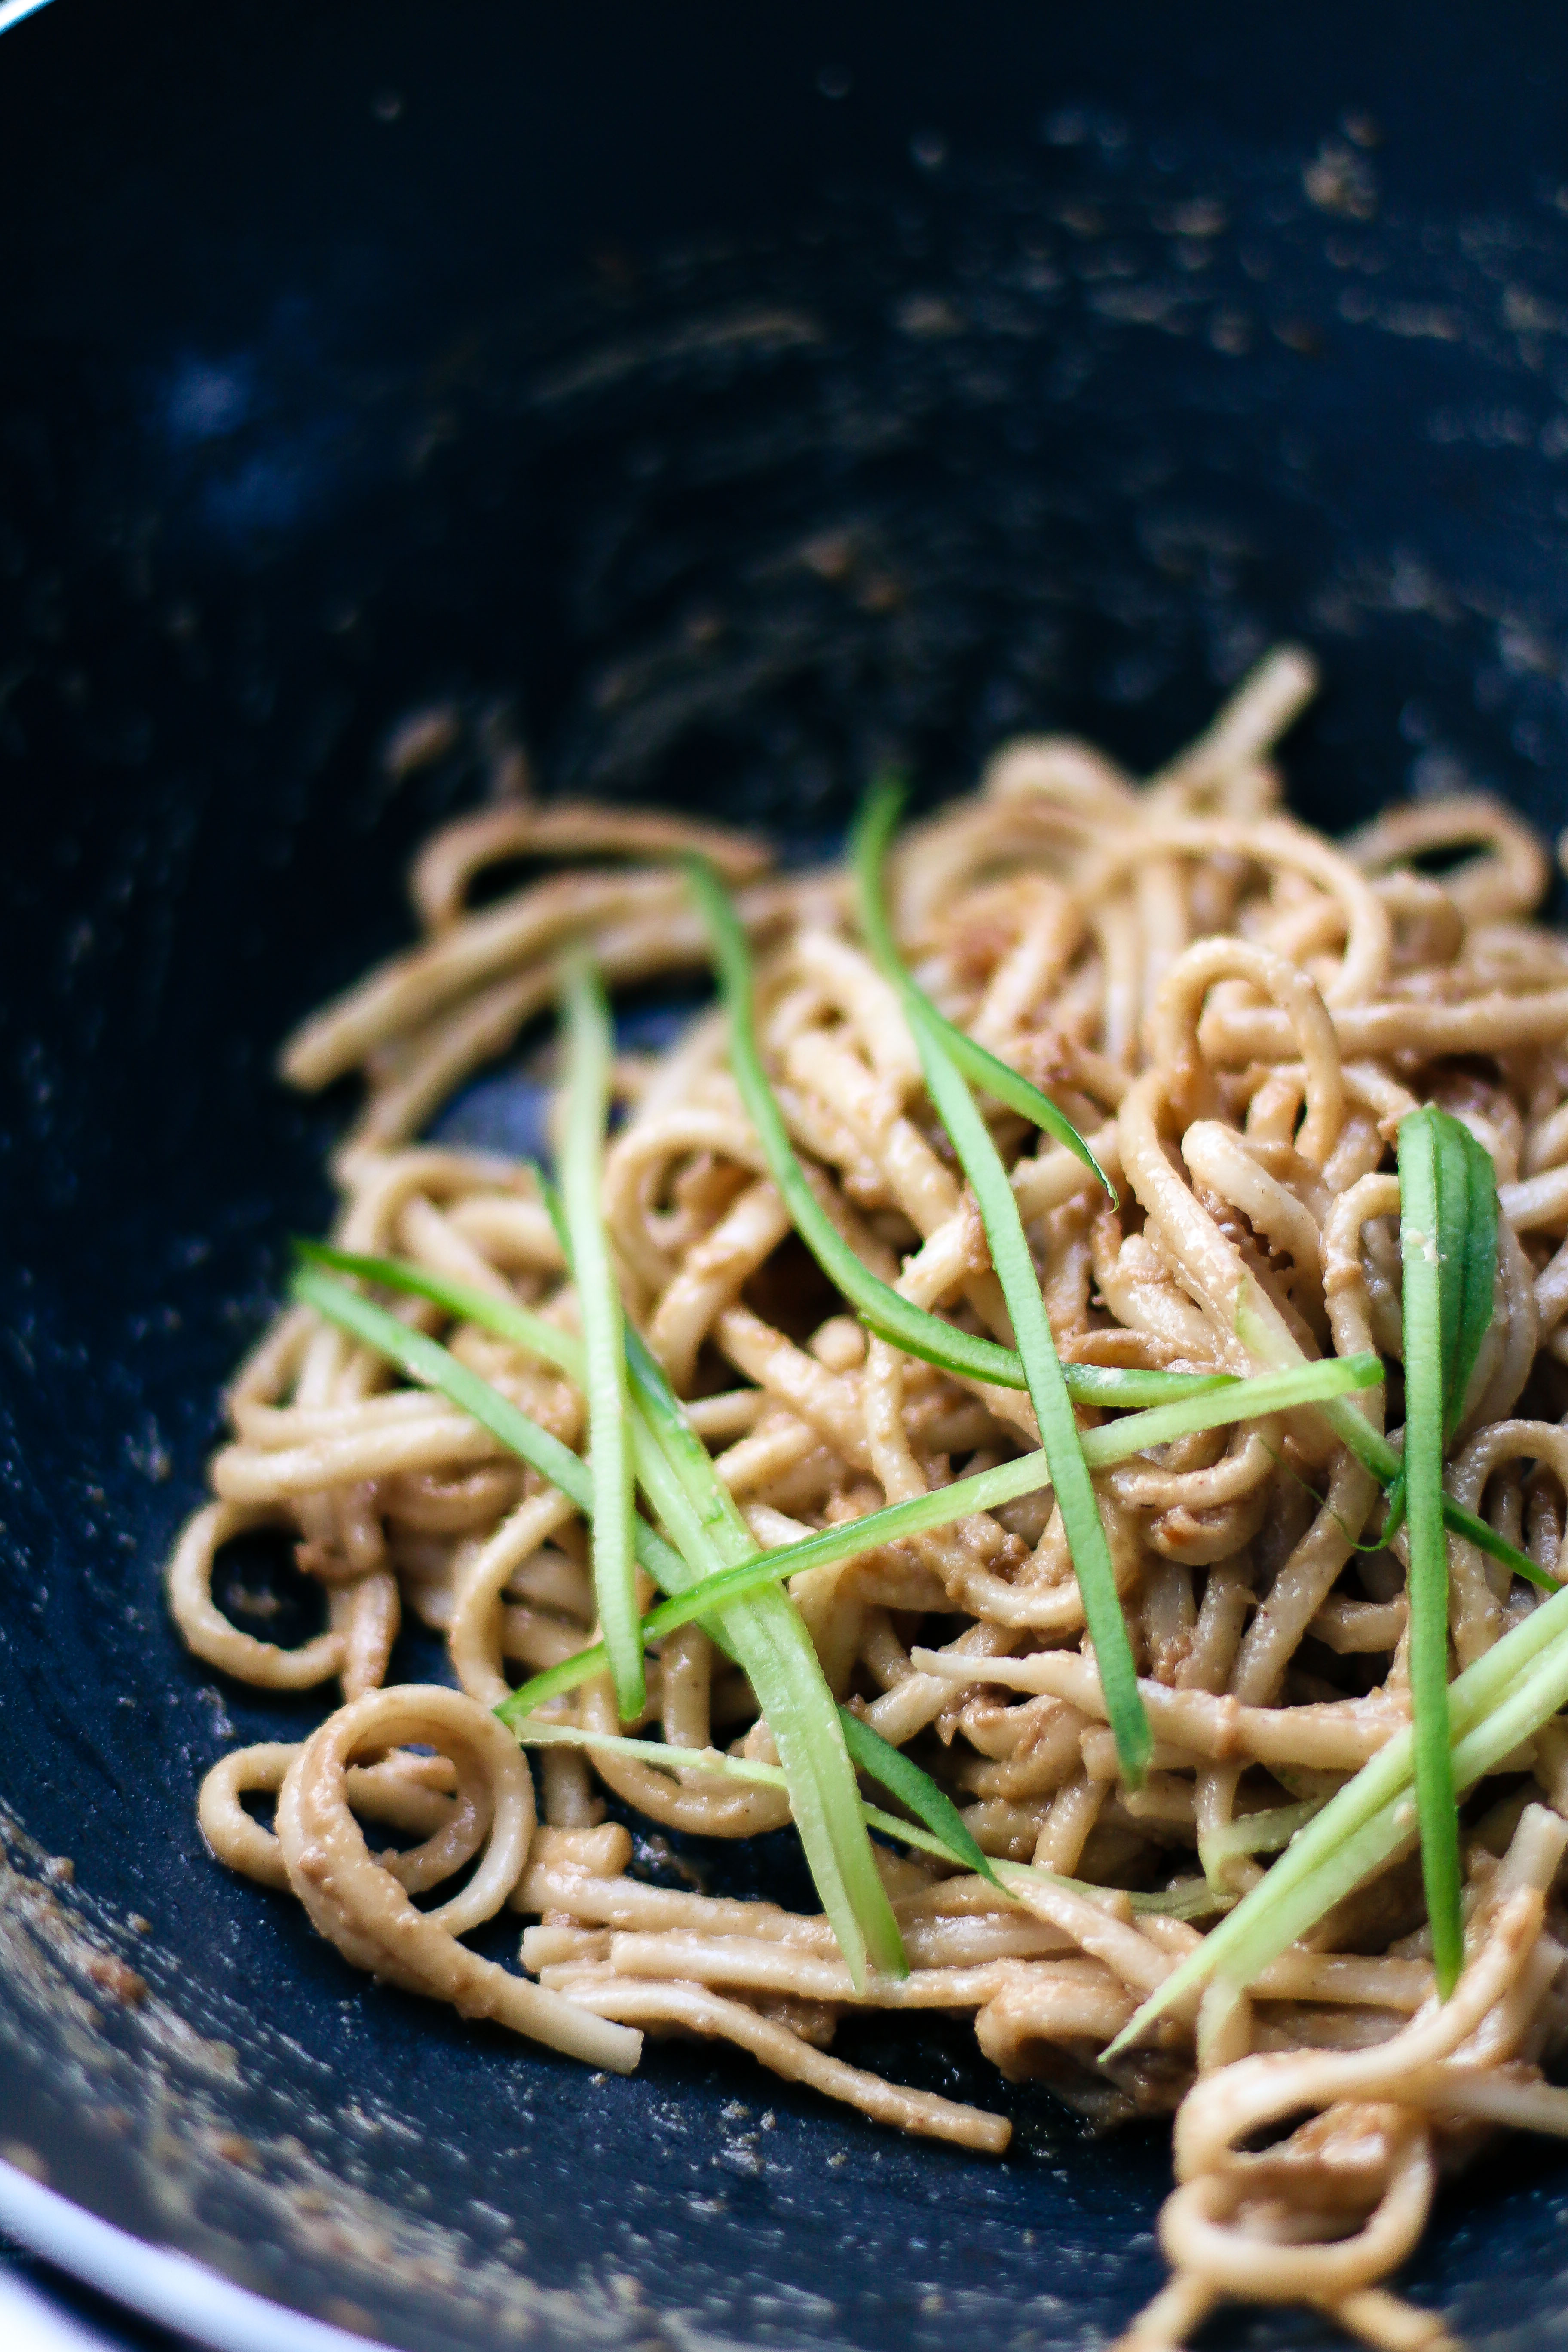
x,y
694,1499
1059,1433
1494,1706
426,1361
1467,1239
770,1639
903,1777
1427,1579
897,1319
590,1047
983,1491
533,1731
1459,1731
1189,1898
877,823
715,1573
1447,1243
766,1635
1014,1269
1376,1455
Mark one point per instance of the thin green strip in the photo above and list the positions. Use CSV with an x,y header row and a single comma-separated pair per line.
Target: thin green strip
x,y
903,1777
897,1320
1493,1706
1117,1441
1250,1400
1108,1385
426,1361
1263,1833
1468,1200
469,1304
764,1632
662,1758
1376,1455
1433,1258
435,1367
1059,1436
590,1049
531,1333
1461,1522
781,1663
874,831
687,1456
1190,1898
1118,1390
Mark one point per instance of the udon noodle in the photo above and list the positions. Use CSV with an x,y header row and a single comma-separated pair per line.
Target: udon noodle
x,y
1237,1012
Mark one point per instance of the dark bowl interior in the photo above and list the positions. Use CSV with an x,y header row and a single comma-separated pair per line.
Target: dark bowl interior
x,y
730,397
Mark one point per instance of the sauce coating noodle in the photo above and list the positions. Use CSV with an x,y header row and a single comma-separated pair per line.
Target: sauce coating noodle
x,y
1235,1012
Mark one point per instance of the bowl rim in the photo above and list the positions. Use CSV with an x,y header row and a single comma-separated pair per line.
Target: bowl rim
x,y
155,2281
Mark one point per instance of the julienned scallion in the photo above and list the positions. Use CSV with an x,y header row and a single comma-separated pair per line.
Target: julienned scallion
x,y
698,1550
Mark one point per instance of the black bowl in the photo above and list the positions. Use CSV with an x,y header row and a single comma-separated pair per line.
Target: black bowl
x,y
728,399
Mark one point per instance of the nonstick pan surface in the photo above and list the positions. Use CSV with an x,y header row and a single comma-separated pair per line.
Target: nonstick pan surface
x,y
723,399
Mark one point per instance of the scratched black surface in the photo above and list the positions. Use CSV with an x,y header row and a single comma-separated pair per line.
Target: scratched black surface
x,y
732,433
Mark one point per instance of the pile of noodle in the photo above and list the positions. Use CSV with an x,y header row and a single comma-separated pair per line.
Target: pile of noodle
x,y
1237,1012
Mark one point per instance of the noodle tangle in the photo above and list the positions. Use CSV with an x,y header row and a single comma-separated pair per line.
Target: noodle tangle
x,y
1236,1012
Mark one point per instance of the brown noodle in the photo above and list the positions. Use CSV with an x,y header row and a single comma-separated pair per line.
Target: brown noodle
x,y
1238,1013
